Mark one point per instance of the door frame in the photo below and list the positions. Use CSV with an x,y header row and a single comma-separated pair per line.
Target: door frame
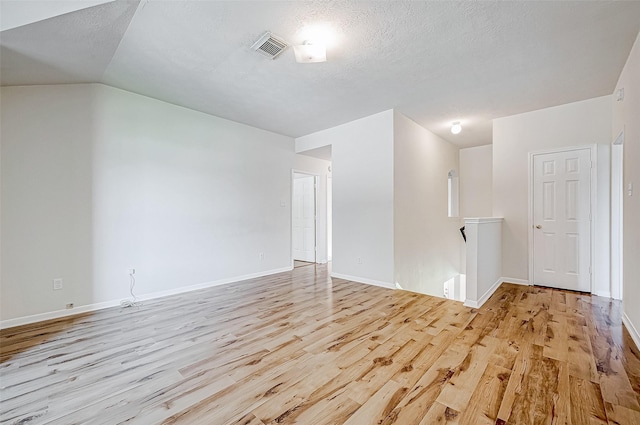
x,y
594,197
617,213
316,178
329,218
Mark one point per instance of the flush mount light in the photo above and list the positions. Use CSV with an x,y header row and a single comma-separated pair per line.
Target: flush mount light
x,y
323,33
456,128
310,53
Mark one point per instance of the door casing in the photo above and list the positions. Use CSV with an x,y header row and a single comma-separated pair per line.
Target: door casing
x,y
617,203
315,206
593,183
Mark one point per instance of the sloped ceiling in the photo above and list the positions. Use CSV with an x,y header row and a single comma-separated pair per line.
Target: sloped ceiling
x,y
16,13
75,47
436,62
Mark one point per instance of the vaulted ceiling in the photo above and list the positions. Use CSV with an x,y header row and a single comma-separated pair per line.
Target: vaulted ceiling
x,y
436,62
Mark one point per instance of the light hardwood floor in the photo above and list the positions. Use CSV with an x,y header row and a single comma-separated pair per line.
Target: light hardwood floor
x,y
299,347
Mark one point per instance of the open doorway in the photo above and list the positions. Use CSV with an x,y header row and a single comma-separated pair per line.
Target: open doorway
x,y
303,218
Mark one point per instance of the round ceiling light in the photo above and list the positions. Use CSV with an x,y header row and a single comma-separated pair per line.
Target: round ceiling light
x,y
456,127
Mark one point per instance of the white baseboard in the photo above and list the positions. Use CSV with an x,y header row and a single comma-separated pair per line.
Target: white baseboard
x,y
483,299
514,280
635,336
359,279
25,320
606,294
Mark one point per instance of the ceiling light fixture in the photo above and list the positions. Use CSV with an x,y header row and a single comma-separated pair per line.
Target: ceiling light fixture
x,y
310,53
319,33
456,127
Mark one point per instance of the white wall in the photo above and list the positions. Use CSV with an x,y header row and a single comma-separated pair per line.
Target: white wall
x,y
46,198
476,184
626,115
96,180
576,124
427,243
362,165
484,268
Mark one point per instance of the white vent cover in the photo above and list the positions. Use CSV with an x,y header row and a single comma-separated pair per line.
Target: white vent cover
x,y
270,45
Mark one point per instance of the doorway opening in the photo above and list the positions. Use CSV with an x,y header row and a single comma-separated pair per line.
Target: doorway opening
x,y
303,218
617,201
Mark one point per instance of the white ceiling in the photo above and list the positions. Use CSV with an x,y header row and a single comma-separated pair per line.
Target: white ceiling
x,y
18,13
436,62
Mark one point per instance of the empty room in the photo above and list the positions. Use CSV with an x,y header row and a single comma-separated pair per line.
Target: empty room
x,y
319,212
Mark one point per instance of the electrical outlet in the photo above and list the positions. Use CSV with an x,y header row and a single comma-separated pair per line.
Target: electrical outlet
x,y
359,260
131,271
261,256
57,284
69,306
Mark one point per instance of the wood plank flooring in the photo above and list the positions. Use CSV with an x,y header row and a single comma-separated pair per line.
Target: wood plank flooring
x,y
299,347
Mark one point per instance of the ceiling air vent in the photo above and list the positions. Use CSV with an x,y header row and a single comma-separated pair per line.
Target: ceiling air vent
x,y
269,45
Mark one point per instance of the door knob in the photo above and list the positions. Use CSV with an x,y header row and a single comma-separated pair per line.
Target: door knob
x,y
539,226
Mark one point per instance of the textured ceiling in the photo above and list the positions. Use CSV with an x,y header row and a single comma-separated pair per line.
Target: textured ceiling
x,y
16,13
436,62
71,48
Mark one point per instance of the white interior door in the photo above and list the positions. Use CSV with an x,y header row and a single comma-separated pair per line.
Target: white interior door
x,y
562,220
304,218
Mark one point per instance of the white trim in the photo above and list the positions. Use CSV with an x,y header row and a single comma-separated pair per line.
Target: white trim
x,y
635,335
483,299
515,281
25,320
530,218
593,151
606,294
616,223
329,217
316,184
566,149
594,214
482,220
359,279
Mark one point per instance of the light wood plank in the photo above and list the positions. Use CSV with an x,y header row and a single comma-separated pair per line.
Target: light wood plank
x,y
300,347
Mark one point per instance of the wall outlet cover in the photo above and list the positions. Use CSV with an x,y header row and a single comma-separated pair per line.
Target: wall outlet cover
x,y
57,284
